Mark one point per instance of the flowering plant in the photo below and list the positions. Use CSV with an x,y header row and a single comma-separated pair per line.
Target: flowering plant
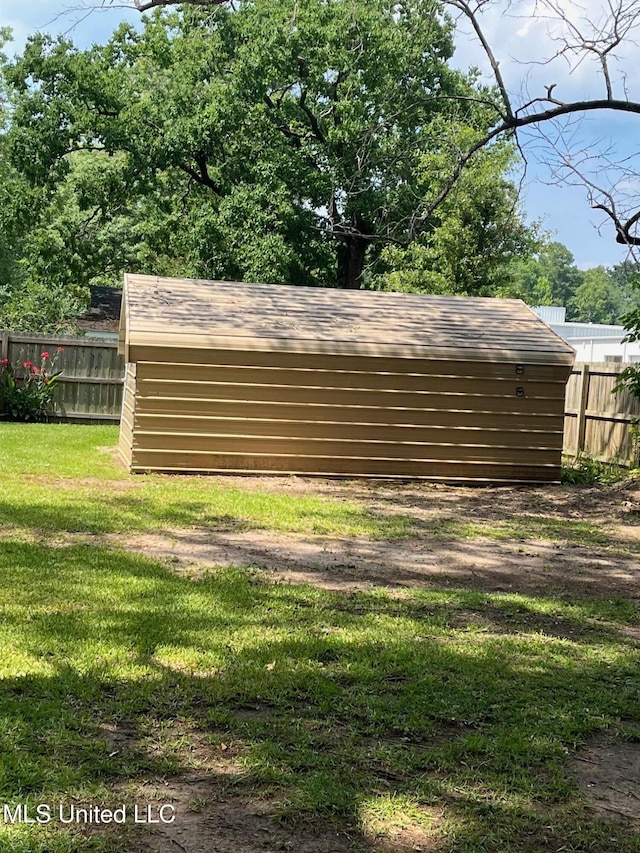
x,y
26,389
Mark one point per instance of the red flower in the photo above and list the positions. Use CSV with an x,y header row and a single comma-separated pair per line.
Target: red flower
x,y
35,370
4,362
60,349
44,355
27,364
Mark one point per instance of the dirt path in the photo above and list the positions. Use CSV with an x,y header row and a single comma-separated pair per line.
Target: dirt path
x,y
559,564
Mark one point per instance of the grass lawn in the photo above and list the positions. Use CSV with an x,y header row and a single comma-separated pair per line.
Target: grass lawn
x,y
401,719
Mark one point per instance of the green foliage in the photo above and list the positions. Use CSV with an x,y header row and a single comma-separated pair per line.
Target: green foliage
x,y
278,141
26,391
596,295
584,470
474,236
628,380
596,299
549,278
626,279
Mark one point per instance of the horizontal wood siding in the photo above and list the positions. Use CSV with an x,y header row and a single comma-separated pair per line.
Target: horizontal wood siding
x,y
450,471
179,349
337,383
349,430
317,395
171,361
284,416
334,448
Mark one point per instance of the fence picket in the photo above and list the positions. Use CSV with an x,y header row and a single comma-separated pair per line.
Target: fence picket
x,y
90,387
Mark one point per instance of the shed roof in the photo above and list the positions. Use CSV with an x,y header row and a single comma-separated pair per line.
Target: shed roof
x,y
215,314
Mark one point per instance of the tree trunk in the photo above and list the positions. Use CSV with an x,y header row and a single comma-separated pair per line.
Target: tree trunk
x,y
351,255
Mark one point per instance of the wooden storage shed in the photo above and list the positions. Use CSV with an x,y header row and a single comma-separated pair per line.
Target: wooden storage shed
x,y
226,377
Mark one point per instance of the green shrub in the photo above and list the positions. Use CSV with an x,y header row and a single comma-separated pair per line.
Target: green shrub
x,y
26,389
584,470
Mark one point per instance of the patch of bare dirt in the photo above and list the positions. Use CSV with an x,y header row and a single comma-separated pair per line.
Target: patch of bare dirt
x,y
212,808
204,823
208,809
119,737
407,833
359,563
608,774
526,565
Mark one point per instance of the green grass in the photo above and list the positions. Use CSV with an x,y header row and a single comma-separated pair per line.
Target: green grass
x,y
522,527
65,478
321,698
450,714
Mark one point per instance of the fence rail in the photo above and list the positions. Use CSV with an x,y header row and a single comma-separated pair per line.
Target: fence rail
x,y
597,421
90,387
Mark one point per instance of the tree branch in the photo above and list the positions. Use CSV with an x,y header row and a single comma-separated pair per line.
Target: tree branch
x,y
202,176
147,5
466,10
313,121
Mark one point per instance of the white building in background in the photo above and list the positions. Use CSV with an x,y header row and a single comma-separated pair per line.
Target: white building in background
x,y
593,342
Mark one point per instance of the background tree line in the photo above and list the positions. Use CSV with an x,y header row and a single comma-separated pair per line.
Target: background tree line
x,y
278,141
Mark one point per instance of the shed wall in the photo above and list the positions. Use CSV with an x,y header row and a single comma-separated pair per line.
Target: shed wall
x,y
231,410
127,420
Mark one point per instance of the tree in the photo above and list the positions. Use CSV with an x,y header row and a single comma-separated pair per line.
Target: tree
x,y
477,240
549,278
596,299
577,36
626,279
287,141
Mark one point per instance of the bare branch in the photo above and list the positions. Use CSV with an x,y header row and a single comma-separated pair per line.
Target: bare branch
x,y
465,8
147,5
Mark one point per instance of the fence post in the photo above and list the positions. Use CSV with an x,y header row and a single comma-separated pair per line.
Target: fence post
x,y
582,408
4,345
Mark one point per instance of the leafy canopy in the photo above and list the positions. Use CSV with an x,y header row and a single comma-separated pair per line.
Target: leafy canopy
x,y
297,142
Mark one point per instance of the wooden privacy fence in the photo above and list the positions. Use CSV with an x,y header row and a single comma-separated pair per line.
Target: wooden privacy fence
x,y
597,421
90,387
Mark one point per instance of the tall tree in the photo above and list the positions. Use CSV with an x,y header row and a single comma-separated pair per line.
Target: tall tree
x,y
626,279
477,235
596,299
577,35
549,278
282,140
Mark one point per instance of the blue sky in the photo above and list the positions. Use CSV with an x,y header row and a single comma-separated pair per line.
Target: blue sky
x,y
564,211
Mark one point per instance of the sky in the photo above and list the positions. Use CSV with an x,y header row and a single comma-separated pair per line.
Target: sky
x,y
519,35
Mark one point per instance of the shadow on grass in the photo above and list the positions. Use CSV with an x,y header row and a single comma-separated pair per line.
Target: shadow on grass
x,y
184,503
348,708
